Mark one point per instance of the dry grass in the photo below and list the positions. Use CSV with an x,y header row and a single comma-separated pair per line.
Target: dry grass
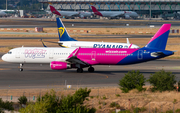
x,y
96,99
112,31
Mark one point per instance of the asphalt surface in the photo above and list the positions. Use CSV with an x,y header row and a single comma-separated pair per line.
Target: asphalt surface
x,y
84,36
95,23
41,76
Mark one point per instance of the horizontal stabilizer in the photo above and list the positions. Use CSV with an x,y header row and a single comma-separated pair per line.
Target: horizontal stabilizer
x,y
156,54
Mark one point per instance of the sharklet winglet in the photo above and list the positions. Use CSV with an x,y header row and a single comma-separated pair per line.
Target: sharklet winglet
x,y
43,43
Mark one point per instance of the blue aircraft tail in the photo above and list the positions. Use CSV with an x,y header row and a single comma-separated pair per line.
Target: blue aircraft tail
x,y
63,35
159,40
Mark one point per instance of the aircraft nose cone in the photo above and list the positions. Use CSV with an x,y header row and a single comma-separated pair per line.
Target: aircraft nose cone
x,y
3,58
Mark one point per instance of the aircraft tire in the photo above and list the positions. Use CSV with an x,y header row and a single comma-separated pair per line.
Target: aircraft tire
x,y
79,70
21,69
91,69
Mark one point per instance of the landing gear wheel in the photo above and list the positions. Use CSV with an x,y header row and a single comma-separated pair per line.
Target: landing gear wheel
x,y
79,70
21,69
91,69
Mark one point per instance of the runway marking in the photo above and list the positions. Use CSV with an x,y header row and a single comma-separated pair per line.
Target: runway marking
x,y
106,76
175,67
103,75
4,69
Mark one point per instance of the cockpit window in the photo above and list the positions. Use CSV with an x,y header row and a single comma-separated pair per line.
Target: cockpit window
x,y
9,52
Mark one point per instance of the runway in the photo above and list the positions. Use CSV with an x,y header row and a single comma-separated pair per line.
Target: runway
x,y
84,36
82,23
41,76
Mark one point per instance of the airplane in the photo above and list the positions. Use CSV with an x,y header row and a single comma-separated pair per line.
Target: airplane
x,y
167,16
66,58
66,41
115,14
70,14
67,14
2,13
85,14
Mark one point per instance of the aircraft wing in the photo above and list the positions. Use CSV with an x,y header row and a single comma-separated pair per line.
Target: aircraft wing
x,y
75,60
78,60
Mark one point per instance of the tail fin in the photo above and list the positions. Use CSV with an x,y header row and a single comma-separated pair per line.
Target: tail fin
x,y
63,35
96,11
159,40
54,11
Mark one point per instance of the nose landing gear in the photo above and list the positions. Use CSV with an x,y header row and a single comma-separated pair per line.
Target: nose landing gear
x,y
21,68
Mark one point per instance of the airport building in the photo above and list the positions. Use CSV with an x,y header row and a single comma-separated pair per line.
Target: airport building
x,y
142,7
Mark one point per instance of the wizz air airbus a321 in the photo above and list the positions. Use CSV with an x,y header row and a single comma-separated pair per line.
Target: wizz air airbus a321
x,y
65,58
67,41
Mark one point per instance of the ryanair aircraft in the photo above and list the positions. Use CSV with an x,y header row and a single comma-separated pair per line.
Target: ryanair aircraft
x,y
66,41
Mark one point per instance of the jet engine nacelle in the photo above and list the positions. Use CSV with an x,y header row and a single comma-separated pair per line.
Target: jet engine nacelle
x,y
127,16
56,65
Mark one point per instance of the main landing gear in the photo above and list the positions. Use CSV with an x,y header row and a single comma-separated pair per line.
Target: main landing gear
x,y
91,69
21,67
79,70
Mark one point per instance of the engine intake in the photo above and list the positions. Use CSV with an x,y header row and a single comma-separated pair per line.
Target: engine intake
x,y
127,16
56,65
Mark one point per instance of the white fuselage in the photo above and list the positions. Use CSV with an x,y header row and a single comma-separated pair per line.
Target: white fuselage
x,y
85,14
112,13
131,14
75,13
68,13
85,44
37,54
119,13
2,13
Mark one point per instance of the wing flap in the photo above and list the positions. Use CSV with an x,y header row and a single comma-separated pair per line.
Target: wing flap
x,y
75,60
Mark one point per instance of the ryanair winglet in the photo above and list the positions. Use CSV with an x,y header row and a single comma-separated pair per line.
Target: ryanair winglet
x,y
43,43
63,35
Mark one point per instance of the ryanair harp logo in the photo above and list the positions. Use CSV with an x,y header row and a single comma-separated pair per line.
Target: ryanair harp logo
x,y
61,31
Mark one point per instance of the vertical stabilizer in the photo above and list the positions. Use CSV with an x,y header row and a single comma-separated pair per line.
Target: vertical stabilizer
x,y
159,40
54,11
63,35
96,11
